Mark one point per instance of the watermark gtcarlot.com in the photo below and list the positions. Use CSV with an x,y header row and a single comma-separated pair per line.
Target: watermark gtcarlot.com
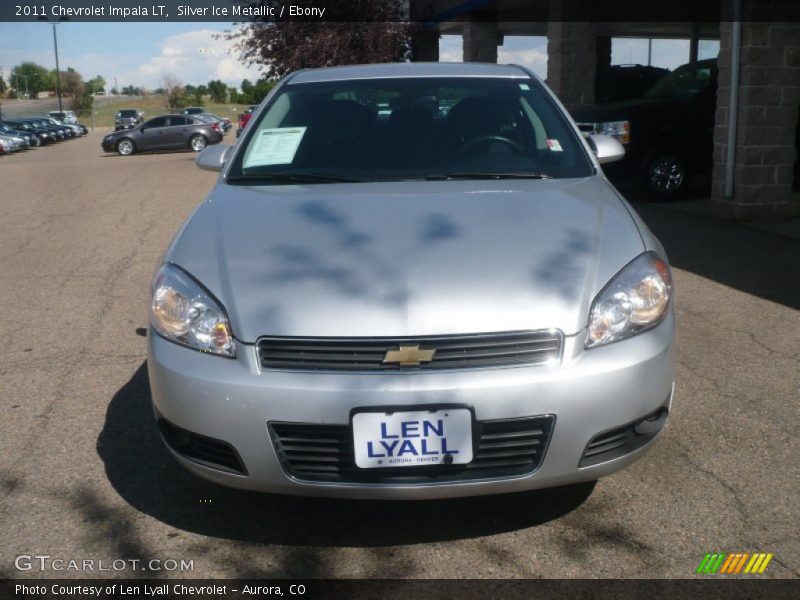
x,y
45,562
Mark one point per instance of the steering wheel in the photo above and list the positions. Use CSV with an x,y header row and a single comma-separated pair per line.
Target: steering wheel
x,y
484,139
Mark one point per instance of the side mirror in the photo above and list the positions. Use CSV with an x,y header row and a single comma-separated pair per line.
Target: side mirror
x,y
606,148
213,158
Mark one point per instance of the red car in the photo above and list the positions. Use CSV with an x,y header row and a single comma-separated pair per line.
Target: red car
x,y
244,119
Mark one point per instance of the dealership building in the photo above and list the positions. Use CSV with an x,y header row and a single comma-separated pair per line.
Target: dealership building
x,y
755,150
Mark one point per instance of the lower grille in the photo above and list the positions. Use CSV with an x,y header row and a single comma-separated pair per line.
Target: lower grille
x,y
450,352
324,453
623,440
201,449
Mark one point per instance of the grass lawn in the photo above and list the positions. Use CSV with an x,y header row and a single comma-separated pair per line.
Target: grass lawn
x,y
153,106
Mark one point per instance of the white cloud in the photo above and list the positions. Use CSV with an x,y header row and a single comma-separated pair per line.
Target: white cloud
x,y
535,60
451,48
194,57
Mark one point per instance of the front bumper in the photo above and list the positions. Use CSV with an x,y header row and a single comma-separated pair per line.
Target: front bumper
x,y
590,393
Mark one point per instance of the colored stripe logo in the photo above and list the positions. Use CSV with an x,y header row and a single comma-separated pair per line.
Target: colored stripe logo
x,y
734,563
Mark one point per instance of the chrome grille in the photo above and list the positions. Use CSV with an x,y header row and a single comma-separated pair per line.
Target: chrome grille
x,y
503,448
452,352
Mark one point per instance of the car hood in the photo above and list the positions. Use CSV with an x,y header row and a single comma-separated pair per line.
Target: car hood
x,y
407,259
623,109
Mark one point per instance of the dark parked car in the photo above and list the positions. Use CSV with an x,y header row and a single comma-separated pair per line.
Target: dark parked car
x,y
667,132
624,82
193,110
8,129
167,132
224,124
66,130
127,118
45,137
55,133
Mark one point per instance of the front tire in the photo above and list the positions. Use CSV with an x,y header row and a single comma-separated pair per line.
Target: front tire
x,y
198,142
126,147
665,176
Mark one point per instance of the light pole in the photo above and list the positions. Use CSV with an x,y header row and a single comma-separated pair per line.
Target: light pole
x,y
27,84
55,46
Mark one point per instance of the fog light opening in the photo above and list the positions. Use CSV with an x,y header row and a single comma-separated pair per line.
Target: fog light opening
x,y
652,423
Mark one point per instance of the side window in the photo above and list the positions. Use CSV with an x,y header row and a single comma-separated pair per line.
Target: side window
x,y
157,122
176,121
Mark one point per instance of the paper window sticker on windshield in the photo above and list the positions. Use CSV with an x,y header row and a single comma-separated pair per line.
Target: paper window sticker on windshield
x,y
274,146
554,145
524,87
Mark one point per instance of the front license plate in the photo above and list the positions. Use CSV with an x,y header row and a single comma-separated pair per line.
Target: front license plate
x,y
412,438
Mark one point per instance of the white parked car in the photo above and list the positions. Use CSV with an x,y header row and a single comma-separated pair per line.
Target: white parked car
x,y
67,116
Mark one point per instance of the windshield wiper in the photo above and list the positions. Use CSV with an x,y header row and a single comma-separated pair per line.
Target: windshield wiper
x,y
485,175
295,178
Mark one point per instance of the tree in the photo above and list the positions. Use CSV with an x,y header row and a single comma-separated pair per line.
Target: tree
x,y
366,31
71,82
247,91
3,86
96,84
176,96
260,90
82,101
202,91
218,91
30,78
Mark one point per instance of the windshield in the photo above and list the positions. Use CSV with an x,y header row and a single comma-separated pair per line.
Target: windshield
x,y
685,81
410,128
126,113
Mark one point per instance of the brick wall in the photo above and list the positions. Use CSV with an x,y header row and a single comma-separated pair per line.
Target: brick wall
x,y
480,42
571,62
769,102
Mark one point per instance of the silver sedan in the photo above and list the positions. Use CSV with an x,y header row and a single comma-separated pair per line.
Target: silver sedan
x,y
411,281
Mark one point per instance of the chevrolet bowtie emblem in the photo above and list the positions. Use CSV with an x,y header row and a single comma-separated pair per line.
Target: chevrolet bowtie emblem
x,y
409,356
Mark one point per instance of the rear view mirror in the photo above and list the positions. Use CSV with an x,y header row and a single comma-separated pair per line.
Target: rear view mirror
x,y
213,157
607,149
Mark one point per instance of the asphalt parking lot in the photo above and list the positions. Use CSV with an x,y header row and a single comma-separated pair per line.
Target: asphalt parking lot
x,y
84,475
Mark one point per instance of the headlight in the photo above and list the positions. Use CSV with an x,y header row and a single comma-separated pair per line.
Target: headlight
x,y
635,300
184,312
618,129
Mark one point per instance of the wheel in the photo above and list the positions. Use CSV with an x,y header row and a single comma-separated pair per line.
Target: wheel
x,y
665,176
198,142
126,147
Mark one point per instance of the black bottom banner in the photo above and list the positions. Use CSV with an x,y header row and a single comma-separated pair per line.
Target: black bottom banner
x,y
391,589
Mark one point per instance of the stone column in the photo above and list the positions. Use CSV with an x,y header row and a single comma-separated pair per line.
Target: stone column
x,y
571,62
767,121
481,41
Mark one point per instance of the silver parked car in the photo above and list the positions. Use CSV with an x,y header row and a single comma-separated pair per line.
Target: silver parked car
x,y
13,143
444,299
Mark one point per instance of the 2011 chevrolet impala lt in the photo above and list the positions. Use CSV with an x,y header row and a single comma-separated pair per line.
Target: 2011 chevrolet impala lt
x,y
411,281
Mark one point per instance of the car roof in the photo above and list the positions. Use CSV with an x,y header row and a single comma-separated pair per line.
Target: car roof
x,y
400,70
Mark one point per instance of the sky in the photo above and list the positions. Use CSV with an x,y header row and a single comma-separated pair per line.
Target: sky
x,y
142,54
139,54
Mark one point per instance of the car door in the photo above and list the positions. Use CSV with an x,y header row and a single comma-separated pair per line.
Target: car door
x,y
151,136
178,135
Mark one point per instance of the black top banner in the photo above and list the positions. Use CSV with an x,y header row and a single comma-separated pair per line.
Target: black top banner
x,y
422,11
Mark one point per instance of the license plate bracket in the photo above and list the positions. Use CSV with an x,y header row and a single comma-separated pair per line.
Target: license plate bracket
x,y
416,436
